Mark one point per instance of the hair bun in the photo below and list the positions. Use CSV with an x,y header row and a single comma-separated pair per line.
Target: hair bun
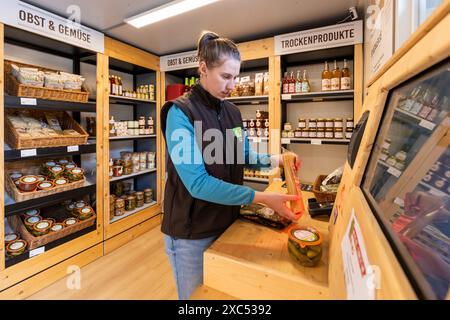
x,y
206,37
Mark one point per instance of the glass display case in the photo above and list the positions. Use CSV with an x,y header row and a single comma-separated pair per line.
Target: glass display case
x,y
407,180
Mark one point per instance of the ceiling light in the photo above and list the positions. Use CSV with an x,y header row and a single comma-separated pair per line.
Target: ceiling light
x,y
166,11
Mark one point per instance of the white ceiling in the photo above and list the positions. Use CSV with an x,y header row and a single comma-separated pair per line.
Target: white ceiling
x,y
240,20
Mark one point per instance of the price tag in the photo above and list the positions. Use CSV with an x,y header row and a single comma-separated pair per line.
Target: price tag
x,y
72,149
28,153
399,202
317,142
37,251
286,96
317,99
427,124
257,140
395,172
285,141
28,101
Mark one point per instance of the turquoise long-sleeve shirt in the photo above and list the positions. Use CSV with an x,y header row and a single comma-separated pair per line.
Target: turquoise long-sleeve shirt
x,y
189,164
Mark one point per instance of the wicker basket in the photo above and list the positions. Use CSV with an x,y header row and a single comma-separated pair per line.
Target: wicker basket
x,y
36,242
15,88
322,196
15,141
32,167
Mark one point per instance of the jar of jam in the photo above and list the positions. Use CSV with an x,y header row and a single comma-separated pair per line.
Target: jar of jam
x,y
148,195
251,132
259,132
338,133
119,207
117,171
348,133
320,133
312,133
287,126
312,124
266,132
284,134
338,123
266,123
329,123
130,203
350,123
258,123
305,133
298,133
302,123
291,134
251,123
321,123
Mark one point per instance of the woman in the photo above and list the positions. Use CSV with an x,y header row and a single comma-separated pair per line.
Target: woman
x,y
204,188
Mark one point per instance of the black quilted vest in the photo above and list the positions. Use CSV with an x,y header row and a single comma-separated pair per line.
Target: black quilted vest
x,y
187,217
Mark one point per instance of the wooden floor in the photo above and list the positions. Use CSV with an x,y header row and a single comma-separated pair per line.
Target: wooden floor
x,y
138,270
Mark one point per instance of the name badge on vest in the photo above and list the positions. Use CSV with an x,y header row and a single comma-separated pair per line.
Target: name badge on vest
x,y
238,133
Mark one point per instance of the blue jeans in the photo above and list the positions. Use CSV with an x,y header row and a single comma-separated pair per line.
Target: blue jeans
x,y
186,258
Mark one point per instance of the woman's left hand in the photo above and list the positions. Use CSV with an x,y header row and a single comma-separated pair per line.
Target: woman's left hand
x,y
279,159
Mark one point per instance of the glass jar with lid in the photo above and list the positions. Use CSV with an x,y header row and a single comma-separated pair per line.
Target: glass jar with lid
x,y
329,123
338,123
321,123
320,133
329,133
350,123
291,134
312,133
338,133
312,124
287,126
302,123
348,133
305,133
298,133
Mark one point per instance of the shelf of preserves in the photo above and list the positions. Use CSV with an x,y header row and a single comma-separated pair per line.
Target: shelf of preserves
x,y
12,207
315,141
129,213
319,96
126,100
133,175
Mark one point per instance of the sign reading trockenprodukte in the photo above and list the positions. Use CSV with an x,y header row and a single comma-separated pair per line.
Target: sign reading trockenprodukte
x,y
33,19
321,38
184,60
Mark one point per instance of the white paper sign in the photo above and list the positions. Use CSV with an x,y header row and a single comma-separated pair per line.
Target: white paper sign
x,y
285,141
427,124
395,172
359,275
37,252
184,60
314,39
33,19
72,149
286,96
316,142
27,153
28,101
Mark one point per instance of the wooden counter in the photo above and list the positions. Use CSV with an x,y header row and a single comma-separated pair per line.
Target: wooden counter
x,y
250,261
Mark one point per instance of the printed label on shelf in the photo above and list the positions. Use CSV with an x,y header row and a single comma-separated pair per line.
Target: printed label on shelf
x,y
286,96
28,101
37,251
258,140
395,172
72,149
427,124
316,142
285,141
28,153
399,201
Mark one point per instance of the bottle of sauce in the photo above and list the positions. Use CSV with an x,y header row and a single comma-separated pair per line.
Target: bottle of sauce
x,y
346,79
335,78
326,78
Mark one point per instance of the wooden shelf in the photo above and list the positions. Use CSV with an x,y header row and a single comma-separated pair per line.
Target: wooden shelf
x,y
257,139
249,100
415,120
318,96
126,100
151,136
133,175
129,213
315,141
43,104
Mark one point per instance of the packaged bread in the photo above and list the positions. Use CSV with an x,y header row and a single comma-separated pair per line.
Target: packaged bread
x,y
259,82
266,83
264,215
53,80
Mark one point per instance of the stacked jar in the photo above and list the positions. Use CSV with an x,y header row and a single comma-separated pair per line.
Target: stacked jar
x,y
151,160
119,207
148,195
139,199
112,201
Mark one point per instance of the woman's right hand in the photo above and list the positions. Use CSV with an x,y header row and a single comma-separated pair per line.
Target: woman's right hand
x,y
277,202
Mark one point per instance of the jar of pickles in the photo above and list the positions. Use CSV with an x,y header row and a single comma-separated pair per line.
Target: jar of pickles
x,y
148,195
130,203
305,246
119,207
